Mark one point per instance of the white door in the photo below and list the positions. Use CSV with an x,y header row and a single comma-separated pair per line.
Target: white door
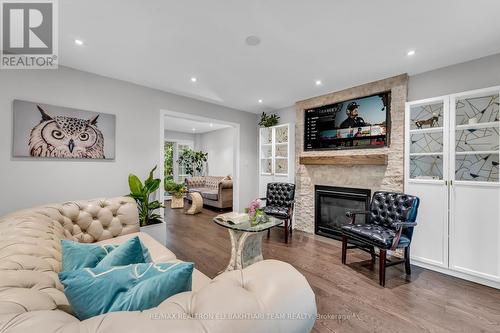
x,y
474,193
426,176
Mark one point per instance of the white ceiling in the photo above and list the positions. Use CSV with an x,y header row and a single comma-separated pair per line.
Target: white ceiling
x,y
163,43
187,125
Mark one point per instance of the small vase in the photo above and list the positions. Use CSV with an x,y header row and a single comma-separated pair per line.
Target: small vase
x,y
253,221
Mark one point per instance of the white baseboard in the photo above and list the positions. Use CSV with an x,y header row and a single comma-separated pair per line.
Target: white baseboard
x,y
454,273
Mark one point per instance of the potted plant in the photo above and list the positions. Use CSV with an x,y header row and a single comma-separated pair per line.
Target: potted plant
x,y
142,193
177,190
268,120
192,161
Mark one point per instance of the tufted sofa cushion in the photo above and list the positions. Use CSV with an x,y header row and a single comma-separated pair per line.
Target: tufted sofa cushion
x,y
30,247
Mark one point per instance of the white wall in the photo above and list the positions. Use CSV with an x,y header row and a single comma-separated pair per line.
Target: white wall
x,y
475,74
174,135
219,146
29,182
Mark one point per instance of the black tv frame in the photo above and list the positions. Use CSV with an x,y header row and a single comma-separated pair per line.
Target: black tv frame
x,y
387,121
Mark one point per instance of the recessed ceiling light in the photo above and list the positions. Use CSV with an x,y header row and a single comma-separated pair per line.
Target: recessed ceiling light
x,y
193,79
410,53
260,101
193,129
211,125
252,40
78,42
318,82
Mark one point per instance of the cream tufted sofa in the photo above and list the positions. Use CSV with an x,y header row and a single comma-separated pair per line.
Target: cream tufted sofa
x,y
269,296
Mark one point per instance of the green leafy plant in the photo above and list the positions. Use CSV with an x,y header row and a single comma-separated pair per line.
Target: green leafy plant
x,y
175,189
192,161
268,120
142,194
169,161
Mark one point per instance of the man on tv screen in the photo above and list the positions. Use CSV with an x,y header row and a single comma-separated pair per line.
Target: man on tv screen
x,y
352,117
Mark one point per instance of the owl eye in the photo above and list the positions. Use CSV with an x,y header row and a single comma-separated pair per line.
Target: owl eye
x,y
84,136
57,134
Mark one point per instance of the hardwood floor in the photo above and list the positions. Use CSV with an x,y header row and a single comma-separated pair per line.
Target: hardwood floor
x,y
350,294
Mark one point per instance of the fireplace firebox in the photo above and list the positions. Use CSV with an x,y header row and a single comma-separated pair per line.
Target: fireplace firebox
x,y
331,205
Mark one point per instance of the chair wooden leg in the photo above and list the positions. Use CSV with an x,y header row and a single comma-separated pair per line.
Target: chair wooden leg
x,y
382,257
344,249
407,260
286,231
372,253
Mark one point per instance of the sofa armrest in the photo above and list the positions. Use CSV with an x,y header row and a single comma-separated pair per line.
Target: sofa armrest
x,y
228,183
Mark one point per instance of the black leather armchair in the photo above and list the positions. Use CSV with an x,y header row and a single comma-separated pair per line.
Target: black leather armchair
x,y
279,204
389,226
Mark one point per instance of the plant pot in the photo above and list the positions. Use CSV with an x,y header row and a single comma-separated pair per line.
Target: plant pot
x,y
177,202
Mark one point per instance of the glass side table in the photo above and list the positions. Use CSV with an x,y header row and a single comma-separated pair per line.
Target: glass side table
x,y
246,241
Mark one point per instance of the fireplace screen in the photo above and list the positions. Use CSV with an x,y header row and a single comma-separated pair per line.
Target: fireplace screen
x,y
331,205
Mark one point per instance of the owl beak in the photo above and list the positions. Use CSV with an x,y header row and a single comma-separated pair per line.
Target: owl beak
x,y
71,145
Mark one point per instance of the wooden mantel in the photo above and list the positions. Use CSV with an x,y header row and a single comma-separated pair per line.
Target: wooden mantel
x,y
368,159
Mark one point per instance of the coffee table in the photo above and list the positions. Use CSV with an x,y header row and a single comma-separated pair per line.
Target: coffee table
x,y
246,241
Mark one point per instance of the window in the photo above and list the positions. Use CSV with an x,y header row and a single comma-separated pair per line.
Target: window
x,y
172,149
169,160
181,171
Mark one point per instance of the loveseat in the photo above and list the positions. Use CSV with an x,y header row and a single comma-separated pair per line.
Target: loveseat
x,y
215,191
268,296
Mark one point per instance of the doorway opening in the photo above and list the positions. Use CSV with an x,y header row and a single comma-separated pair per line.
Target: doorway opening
x,y
201,153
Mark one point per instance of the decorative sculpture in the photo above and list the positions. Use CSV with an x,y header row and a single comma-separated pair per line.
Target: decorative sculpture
x,y
431,121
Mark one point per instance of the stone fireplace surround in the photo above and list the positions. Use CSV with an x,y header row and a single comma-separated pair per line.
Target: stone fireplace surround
x,y
388,176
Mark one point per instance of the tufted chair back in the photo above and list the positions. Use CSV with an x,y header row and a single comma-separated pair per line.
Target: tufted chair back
x,y
389,207
280,194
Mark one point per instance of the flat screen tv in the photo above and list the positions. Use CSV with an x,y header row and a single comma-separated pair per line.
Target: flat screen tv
x,y
353,124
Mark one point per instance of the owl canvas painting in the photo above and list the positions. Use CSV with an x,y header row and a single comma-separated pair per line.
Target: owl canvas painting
x,y
42,130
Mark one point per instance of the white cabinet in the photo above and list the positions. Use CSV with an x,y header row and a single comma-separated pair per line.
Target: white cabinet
x,y
451,163
274,156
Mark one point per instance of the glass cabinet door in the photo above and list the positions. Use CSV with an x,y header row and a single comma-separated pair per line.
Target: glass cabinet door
x,y
266,151
476,140
281,138
427,140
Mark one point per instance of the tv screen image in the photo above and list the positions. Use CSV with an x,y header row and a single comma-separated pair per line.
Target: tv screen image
x,y
356,123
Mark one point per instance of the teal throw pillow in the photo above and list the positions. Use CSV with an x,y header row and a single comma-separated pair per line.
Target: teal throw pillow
x,y
80,255
94,291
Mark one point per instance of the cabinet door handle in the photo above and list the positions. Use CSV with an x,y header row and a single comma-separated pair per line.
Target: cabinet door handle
x,y
451,182
446,182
